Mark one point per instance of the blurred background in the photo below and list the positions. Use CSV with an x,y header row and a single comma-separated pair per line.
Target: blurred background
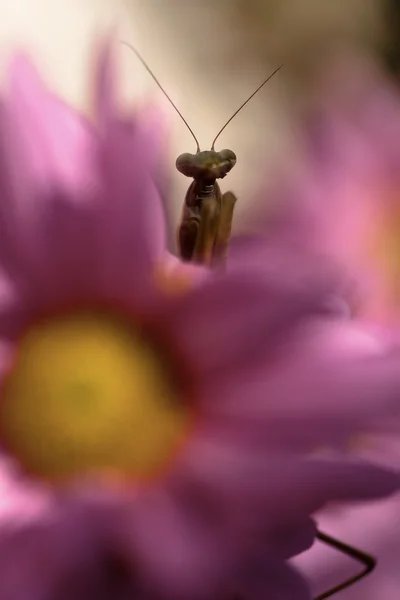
x,y
210,55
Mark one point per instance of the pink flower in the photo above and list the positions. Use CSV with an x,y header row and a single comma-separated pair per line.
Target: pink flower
x,y
343,191
341,200
158,423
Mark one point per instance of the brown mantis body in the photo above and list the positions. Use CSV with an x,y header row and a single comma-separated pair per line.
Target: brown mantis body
x,y
205,229
206,222
207,215
203,237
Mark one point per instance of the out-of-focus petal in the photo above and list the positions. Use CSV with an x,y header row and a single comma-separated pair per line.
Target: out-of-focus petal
x,y
46,155
233,320
173,264
292,541
134,236
371,527
317,390
230,480
91,199
57,141
280,254
177,553
129,159
58,558
14,310
275,580
355,89
104,98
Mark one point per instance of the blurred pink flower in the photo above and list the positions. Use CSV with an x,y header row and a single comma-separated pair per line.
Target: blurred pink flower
x,y
342,200
158,422
343,192
372,528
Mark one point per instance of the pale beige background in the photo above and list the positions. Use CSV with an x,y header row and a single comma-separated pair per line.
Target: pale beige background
x,y
182,42
209,55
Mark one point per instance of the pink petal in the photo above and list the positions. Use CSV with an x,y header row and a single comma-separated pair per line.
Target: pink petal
x,y
247,490
105,101
174,552
14,313
316,391
195,272
46,167
135,222
369,527
77,222
234,319
55,558
275,580
291,541
57,139
134,235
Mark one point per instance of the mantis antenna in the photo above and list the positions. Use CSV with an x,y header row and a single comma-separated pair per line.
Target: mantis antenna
x,y
244,104
162,89
150,72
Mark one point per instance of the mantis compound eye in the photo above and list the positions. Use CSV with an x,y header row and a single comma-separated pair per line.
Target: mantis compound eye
x,y
228,156
227,161
187,164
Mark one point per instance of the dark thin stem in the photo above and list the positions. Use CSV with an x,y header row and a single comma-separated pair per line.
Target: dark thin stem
x,y
365,559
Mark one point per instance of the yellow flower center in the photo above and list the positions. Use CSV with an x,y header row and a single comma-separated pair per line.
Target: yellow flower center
x,y
88,394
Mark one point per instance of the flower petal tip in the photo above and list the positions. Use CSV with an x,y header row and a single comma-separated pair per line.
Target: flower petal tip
x,y
22,75
105,81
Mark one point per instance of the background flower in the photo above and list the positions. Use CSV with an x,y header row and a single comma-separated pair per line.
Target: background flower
x,y
340,197
341,200
371,528
83,225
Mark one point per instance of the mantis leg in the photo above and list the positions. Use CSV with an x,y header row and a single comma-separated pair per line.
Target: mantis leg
x,y
203,250
187,236
223,234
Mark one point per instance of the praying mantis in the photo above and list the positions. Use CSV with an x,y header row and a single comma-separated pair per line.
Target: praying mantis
x,y
203,237
205,229
207,215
